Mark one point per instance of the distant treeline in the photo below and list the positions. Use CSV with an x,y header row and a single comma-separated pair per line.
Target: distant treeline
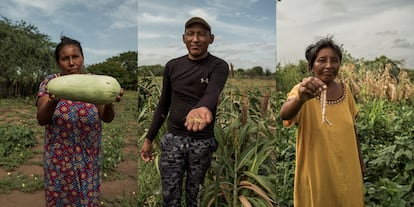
x,y
27,56
255,72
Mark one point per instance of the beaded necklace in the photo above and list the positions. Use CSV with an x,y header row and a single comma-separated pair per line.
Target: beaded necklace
x,y
338,100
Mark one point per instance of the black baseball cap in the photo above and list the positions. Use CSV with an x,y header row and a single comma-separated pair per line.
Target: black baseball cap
x,y
198,20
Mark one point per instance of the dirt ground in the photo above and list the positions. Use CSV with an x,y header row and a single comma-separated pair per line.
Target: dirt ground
x,y
124,185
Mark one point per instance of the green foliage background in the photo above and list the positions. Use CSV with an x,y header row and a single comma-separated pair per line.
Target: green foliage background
x,y
27,56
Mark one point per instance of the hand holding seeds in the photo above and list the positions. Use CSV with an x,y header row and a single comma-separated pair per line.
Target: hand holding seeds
x,y
310,87
198,118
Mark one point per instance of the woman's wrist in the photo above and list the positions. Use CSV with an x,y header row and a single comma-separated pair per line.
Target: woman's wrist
x,y
299,100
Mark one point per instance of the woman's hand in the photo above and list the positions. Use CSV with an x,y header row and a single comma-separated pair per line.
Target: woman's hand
x,y
121,93
309,88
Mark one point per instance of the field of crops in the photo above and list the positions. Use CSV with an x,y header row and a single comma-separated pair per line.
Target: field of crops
x,y
255,161
244,166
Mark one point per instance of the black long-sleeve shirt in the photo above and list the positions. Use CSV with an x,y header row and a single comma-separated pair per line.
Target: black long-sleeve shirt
x,y
189,84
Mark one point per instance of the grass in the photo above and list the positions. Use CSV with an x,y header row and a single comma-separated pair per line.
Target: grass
x,y
20,182
122,131
252,83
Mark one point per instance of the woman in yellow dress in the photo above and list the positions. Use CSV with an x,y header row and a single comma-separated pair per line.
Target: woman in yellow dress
x,y
329,169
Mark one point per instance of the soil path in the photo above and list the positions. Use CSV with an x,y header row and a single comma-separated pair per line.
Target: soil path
x,y
123,184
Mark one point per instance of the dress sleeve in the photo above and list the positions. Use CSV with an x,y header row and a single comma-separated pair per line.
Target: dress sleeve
x,y
43,86
291,95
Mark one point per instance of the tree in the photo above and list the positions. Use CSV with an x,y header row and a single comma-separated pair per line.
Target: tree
x,y
289,75
123,67
150,70
240,73
257,71
26,57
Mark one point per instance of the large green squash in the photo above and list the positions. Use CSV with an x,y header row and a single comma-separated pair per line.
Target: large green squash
x,y
96,89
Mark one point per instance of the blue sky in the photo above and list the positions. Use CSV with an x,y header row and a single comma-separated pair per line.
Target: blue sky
x,y
367,29
105,28
244,30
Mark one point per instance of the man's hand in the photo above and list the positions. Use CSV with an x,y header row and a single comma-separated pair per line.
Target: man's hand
x,y
198,118
146,151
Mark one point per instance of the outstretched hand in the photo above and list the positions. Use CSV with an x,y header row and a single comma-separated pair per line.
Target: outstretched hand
x,y
310,87
198,118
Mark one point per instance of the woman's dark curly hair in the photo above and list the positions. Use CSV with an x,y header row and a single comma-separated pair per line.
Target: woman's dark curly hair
x,y
313,50
66,41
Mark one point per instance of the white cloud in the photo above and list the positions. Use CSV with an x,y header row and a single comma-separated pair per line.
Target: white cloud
x,y
146,18
125,15
242,31
208,16
94,55
367,29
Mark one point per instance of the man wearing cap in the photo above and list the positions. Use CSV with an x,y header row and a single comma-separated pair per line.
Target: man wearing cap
x,y
191,87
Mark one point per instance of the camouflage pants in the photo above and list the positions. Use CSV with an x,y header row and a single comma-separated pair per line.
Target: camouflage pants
x,y
183,156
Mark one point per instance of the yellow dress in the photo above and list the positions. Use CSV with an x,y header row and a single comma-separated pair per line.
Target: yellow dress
x,y
328,171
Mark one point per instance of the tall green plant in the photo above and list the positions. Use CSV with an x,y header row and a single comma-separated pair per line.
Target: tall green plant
x,y
285,161
243,168
387,143
149,187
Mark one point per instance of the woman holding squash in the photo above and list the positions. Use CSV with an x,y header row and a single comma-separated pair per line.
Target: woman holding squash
x,y
73,133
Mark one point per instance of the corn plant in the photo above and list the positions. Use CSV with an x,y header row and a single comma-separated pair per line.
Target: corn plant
x,y
149,181
367,83
243,168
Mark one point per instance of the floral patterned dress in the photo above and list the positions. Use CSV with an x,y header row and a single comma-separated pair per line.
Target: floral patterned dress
x,y
72,155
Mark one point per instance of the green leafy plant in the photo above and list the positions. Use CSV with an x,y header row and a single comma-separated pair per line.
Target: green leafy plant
x,y
112,153
21,182
243,168
16,142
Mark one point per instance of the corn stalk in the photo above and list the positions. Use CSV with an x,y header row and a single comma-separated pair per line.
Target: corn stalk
x,y
242,172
